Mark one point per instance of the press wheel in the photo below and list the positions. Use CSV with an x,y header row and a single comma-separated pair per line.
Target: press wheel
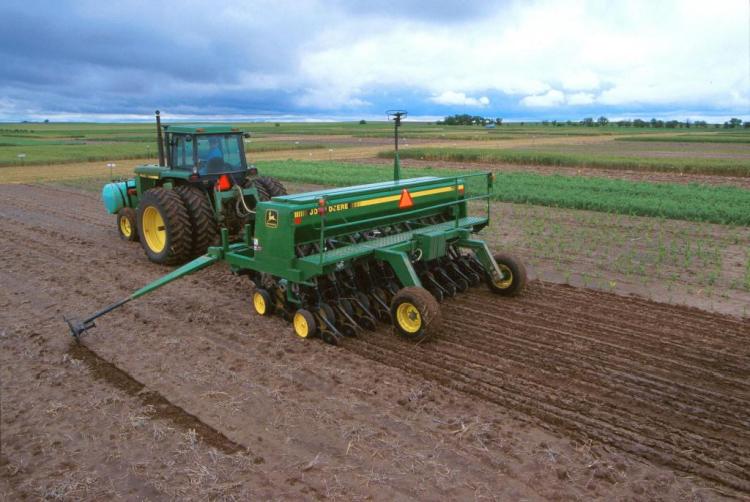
x,y
513,279
415,313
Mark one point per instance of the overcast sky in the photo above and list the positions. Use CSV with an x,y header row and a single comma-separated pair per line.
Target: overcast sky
x,y
525,60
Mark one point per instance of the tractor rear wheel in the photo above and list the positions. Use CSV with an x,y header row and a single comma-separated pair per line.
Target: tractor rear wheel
x,y
271,186
164,227
204,229
415,313
514,276
126,226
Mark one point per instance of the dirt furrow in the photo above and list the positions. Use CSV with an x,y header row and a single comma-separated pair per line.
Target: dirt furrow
x,y
583,374
618,411
552,337
630,327
563,326
588,425
642,309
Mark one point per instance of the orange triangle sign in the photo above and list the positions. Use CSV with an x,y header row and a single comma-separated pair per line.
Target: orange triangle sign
x,y
405,200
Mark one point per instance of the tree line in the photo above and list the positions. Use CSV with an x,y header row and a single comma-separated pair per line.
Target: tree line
x,y
466,119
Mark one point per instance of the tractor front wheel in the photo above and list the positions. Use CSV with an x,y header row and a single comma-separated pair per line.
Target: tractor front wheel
x,y
513,279
164,227
126,226
415,313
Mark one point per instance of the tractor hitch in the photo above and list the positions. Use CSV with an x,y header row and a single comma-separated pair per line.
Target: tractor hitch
x,y
79,327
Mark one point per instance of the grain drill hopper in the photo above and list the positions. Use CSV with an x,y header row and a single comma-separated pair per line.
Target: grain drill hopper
x,y
334,262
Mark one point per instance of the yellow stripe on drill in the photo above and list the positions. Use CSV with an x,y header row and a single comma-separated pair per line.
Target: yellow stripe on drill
x,y
395,198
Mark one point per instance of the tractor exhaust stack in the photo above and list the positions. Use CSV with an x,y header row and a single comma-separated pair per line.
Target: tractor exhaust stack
x,y
159,139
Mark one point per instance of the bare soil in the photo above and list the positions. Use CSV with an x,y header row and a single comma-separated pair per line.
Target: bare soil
x,y
624,174
562,393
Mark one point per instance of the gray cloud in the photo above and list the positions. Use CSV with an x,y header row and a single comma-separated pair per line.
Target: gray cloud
x,y
360,57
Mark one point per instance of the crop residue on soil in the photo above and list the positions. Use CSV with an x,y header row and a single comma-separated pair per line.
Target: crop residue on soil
x,y
561,393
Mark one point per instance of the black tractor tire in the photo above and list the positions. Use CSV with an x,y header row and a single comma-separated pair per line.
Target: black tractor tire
x,y
205,231
126,226
172,243
515,283
415,313
263,194
272,186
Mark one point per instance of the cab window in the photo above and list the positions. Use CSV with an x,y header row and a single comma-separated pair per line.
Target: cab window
x,y
182,153
220,153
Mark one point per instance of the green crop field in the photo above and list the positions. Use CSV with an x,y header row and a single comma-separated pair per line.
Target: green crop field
x,y
726,205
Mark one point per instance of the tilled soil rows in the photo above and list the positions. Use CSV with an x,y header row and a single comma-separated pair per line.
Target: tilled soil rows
x,y
560,393
669,384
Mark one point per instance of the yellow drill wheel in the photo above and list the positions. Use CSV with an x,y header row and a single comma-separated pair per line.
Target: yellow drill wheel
x,y
507,279
408,317
262,302
415,312
513,273
304,323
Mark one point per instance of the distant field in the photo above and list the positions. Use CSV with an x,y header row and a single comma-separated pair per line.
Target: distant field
x,y
669,158
76,142
694,138
726,205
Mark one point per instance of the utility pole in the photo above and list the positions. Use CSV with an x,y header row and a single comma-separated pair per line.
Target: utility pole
x,y
396,116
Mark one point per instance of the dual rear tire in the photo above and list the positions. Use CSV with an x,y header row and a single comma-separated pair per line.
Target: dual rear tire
x,y
177,225
164,227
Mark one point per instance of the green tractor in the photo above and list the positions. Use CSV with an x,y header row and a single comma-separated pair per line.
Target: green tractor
x,y
202,183
333,261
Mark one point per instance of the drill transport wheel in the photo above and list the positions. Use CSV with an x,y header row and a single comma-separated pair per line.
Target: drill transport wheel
x,y
126,226
304,323
415,313
262,302
514,276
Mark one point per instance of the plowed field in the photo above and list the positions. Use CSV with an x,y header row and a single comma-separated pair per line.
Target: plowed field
x,y
562,393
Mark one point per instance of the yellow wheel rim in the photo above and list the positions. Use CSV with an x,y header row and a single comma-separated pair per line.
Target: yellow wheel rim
x,y
259,303
507,279
154,230
301,328
408,317
125,227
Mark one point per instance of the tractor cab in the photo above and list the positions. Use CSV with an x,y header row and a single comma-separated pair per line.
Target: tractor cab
x,y
202,183
206,152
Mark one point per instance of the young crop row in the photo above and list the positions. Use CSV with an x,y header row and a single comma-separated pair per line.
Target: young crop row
x,y
726,167
725,205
